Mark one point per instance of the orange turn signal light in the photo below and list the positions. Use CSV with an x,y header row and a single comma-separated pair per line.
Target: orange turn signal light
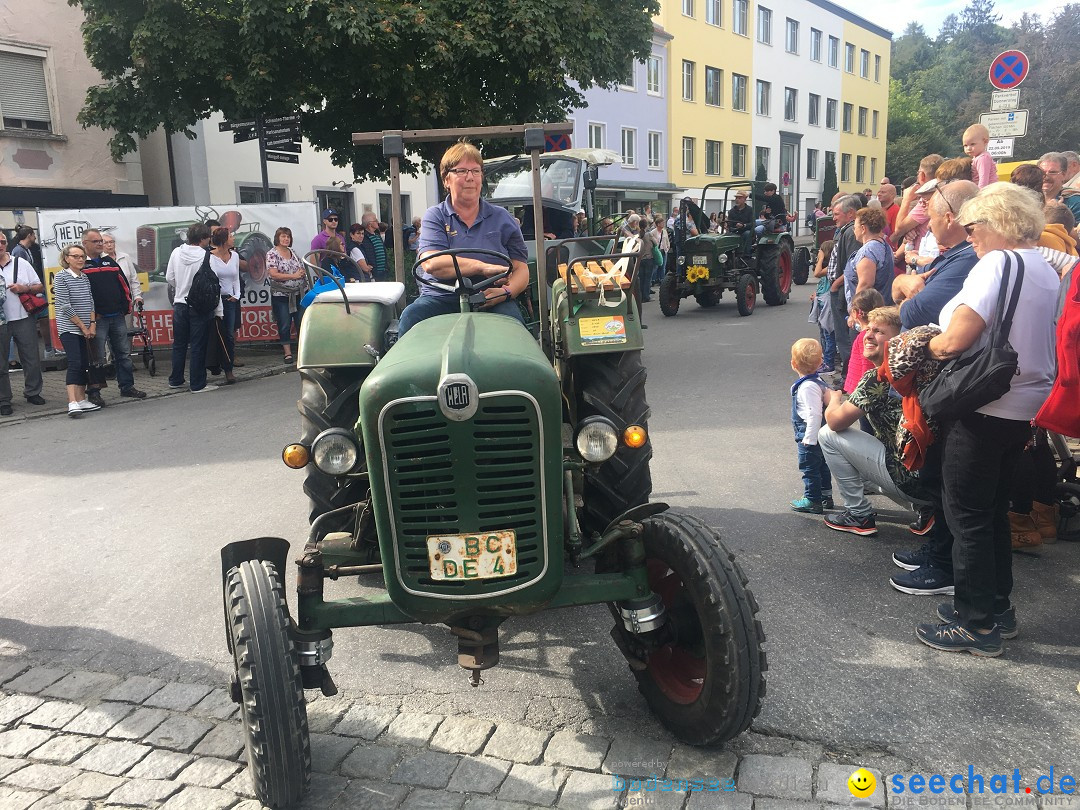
x,y
635,436
295,456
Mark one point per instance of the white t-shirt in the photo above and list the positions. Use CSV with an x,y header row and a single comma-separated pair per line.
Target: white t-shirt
x,y
228,274
13,308
1032,334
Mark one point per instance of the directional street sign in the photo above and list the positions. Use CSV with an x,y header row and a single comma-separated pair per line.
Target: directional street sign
x,y
1009,69
282,157
241,134
282,120
1000,147
224,126
1006,124
285,146
272,133
1004,100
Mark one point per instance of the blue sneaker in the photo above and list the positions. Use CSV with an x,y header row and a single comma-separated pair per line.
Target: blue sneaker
x,y
923,581
1006,621
954,637
806,505
910,560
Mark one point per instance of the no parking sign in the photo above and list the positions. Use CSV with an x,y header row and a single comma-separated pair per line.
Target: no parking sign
x,y
1009,69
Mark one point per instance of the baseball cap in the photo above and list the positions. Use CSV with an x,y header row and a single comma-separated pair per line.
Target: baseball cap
x,y
928,186
329,212
740,193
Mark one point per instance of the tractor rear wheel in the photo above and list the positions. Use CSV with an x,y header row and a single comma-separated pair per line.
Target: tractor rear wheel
x,y
774,267
272,706
706,682
613,386
329,397
669,294
746,294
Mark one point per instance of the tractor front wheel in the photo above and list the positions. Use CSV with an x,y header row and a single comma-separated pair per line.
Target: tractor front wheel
x,y
271,694
801,271
706,682
746,294
669,294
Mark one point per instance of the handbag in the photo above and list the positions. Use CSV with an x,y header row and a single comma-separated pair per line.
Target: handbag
x,y
968,383
33,303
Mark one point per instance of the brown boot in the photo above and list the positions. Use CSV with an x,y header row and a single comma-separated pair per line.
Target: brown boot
x,y
1024,533
1046,520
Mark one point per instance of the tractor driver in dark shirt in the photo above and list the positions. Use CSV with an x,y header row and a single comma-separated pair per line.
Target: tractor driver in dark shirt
x,y
772,207
740,220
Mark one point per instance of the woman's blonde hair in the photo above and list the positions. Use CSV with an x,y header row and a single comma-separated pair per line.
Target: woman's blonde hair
x,y
1008,210
460,151
67,252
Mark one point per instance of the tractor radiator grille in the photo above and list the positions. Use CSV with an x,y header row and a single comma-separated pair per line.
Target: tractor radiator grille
x,y
464,478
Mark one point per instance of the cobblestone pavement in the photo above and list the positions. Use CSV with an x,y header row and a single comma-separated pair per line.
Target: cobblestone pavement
x,y
78,739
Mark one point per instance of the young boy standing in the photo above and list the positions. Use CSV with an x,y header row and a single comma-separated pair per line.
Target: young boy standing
x,y
807,412
983,168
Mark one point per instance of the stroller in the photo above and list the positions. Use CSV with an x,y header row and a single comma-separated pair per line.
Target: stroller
x,y
140,333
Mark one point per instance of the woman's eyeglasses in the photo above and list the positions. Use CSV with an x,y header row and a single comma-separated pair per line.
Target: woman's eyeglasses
x,y
465,172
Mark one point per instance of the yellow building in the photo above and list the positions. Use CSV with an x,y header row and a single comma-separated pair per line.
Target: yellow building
x,y
865,108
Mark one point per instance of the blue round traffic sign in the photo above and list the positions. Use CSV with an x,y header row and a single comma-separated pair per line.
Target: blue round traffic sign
x,y
1009,69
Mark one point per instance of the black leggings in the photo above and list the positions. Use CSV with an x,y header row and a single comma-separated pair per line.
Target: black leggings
x,y
78,358
1035,476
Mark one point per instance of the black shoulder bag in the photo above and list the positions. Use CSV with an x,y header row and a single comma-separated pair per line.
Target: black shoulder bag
x,y
967,383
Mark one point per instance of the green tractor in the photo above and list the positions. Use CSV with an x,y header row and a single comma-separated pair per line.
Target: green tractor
x,y
484,472
706,265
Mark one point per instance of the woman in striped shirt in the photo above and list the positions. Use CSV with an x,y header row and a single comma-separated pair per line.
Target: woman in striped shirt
x,y
74,306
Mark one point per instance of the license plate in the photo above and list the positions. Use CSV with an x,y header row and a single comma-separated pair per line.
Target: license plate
x,y
486,555
701,260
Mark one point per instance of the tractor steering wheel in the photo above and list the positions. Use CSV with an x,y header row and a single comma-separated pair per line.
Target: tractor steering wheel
x,y
466,287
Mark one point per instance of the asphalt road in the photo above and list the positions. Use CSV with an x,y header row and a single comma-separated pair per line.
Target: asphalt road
x,y
112,527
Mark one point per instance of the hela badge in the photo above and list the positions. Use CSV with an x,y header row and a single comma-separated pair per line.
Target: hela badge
x,y
458,397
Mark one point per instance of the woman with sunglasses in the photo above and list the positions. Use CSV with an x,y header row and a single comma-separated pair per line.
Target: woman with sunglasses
x,y
980,450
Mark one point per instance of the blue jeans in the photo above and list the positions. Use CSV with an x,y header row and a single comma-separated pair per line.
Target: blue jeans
x,y
285,319
815,472
644,278
114,329
230,320
660,271
828,348
189,329
428,306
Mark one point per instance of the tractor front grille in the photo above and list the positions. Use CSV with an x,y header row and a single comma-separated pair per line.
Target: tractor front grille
x,y
447,477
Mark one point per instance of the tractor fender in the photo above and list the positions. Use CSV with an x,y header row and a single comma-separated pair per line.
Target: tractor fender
x,y
636,513
271,549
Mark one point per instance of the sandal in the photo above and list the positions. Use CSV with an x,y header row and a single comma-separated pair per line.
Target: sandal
x,y
288,358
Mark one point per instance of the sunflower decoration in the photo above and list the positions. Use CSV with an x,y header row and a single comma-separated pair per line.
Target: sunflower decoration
x,y
697,272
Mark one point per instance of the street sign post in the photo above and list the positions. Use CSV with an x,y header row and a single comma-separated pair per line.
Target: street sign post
x,y
1000,147
1006,124
1009,69
1004,100
279,139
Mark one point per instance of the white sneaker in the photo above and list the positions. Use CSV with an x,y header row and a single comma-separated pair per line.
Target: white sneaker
x,y
209,387
74,409
86,405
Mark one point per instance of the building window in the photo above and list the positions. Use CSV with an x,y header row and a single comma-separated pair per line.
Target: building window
x,y
596,136
629,147
652,76
739,14
655,144
874,124
688,155
834,51
862,120
791,103
631,80
830,113
386,202
791,41
253,195
815,45
849,57
25,104
877,68
849,114
712,12
811,164
873,170
761,154
738,160
688,8
713,157
860,169
687,80
845,168
764,25
864,63
738,92
714,86
764,91
813,116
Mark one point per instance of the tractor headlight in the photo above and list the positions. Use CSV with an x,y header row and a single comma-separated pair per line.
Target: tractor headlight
x,y
335,451
722,258
597,440
682,261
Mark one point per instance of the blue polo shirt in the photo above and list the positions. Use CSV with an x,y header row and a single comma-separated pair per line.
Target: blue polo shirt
x,y
494,229
951,270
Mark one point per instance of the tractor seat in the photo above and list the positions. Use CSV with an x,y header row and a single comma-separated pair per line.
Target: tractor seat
x,y
371,292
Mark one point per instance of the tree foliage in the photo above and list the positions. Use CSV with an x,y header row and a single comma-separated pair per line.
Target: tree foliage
x,y
940,85
353,65
829,185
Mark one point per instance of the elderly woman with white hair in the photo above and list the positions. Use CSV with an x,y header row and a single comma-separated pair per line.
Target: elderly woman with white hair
x,y
980,450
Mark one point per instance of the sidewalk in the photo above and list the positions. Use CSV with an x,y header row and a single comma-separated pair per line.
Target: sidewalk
x,y
260,360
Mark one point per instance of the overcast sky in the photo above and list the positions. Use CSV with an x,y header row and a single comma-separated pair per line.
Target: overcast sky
x,y
896,14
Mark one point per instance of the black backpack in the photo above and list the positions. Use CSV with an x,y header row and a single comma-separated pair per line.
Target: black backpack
x,y
205,292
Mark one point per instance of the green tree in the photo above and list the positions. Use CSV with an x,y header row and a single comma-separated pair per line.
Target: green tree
x,y
351,65
829,186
